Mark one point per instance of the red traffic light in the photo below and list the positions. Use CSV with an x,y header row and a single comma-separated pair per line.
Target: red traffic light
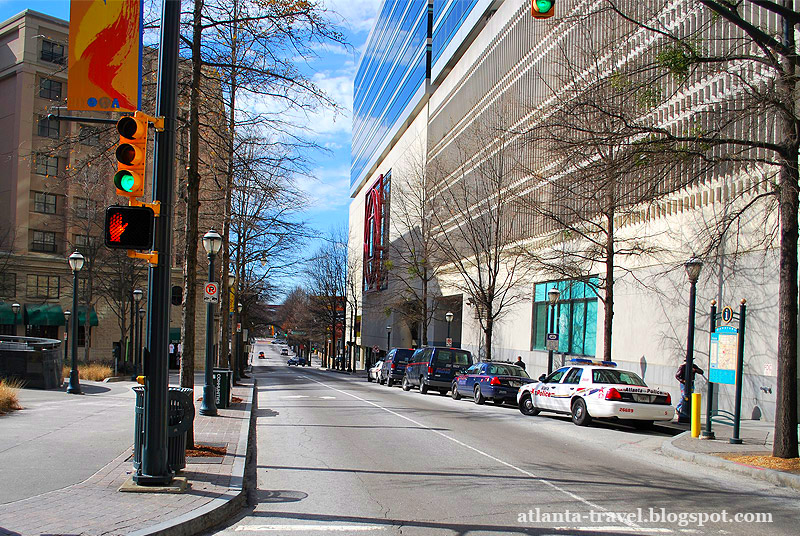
x,y
129,228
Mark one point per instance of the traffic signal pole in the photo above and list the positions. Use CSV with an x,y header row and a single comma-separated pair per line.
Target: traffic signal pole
x,y
154,469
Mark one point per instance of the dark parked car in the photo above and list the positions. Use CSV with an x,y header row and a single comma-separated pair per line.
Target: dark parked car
x,y
435,367
394,366
293,361
495,380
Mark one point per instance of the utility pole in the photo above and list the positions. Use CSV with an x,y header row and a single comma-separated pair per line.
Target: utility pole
x,y
154,469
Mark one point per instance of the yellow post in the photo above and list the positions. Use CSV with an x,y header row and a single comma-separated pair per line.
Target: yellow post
x,y
695,415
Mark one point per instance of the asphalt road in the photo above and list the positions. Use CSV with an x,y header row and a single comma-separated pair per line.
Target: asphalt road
x,y
338,454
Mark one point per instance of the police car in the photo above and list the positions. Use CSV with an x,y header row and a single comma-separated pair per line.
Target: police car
x,y
589,389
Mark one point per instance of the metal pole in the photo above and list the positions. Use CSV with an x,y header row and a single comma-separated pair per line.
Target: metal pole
x,y
154,469
74,386
209,405
139,349
136,342
689,368
708,433
737,404
552,330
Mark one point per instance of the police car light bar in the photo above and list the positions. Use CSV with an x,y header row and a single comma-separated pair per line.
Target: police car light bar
x,y
584,361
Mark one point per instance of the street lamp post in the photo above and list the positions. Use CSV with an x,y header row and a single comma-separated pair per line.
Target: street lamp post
x,y
212,242
232,350
552,295
449,317
15,309
693,267
137,341
75,263
67,314
140,365
239,342
388,337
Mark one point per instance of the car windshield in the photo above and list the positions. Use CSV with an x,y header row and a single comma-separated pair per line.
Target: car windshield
x,y
617,376
507,370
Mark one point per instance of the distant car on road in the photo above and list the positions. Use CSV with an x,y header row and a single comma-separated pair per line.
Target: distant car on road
x,y
284,351
293,361
596,389
374,372
493,380
435,367
394,366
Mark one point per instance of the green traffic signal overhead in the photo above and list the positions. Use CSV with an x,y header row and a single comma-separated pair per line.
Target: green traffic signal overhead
x,y
543,9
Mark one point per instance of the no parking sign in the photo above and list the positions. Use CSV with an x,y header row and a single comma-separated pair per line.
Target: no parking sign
x,y
211,293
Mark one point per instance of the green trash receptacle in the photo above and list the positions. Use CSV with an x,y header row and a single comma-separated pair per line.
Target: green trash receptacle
x,y
138,427
180,415
222,386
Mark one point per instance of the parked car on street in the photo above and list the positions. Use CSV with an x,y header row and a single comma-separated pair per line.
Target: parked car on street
x,y
394,366
493,380
374,372
293,361
589,389
284,351
434,367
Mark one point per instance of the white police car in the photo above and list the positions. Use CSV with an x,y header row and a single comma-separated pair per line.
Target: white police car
x,y
589,389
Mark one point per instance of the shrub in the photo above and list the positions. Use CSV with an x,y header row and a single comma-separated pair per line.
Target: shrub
x,y
8,395
96,372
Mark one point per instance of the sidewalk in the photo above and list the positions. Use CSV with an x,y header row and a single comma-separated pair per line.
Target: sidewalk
x,y
96,507
757,439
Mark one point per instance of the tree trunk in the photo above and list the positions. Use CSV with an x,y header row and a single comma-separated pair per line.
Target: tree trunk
x,y
608,305
423,336
488,333
192,211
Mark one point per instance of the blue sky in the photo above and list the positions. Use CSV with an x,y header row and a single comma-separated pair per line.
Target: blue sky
x,y
333,71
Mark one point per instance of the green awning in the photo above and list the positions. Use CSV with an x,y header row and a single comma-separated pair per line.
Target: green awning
x,y
7,315
82,316
46,314
174,335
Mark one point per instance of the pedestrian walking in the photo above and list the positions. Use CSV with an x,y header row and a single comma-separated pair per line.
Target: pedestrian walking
x,y
520,362
680,375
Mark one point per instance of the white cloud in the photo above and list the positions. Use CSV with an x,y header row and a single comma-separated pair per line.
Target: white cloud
x,y
328,190
357,15
332,145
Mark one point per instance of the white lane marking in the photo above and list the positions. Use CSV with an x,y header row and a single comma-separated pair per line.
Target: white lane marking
x,y
327,398
296,396
574,496
298,528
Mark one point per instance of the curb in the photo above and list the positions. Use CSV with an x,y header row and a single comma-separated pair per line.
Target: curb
x,y
779,478
221,508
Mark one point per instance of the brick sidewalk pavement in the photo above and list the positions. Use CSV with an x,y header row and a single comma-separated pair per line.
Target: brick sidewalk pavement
x,y
96,507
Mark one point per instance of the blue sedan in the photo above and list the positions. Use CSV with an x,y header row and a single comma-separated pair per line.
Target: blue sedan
x,y
499,382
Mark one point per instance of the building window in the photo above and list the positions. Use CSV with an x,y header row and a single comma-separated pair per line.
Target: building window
x,y
83,208
376,234
83,288
576,316
42,286
52,52
50,89
44,241
46,165
8,284
44,203
48,128
85,244
89,136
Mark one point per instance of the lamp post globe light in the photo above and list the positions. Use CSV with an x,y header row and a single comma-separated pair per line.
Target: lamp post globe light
x,y
693,267
552,296
137,341
75,261
212,242
67,314
15,309
449,317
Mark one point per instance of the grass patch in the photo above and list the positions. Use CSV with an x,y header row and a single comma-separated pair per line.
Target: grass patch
x,y
9,400
791,465
95,372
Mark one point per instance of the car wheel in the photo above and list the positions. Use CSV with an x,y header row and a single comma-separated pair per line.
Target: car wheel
x,y
478,397
389,381
580,416
526,406
642,425
406,385
369,378
454,392
422,387
382,381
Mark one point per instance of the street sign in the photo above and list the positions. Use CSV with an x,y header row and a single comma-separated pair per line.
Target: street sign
x,y
211,293
449,342
129,227
552,342
723,354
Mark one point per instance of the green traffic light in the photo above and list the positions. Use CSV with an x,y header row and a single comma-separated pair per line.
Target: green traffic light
x,y
124,180
544,6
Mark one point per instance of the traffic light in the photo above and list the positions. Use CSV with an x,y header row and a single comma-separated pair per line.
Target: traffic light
x,y
543,9
131,156
129,228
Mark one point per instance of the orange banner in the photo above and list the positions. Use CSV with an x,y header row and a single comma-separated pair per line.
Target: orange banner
x,y
105,43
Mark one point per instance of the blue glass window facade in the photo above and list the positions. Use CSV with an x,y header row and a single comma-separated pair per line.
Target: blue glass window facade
x,y
392,70
576,316
448,17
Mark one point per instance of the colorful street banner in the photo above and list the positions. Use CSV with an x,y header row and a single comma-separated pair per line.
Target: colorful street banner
x,y
105,55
